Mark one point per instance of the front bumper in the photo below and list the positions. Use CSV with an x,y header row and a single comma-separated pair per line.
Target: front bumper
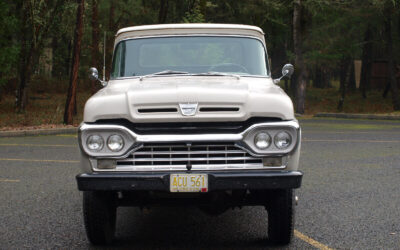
x,y
217,180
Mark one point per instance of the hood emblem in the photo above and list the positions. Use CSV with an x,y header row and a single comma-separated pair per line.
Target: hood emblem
x,y
188,109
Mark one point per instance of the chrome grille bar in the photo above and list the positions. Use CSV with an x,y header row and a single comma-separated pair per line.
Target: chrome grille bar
x,y
194,168
190,152
177,157
188,159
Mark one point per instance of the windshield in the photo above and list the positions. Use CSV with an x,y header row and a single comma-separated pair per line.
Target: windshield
x,y
189,54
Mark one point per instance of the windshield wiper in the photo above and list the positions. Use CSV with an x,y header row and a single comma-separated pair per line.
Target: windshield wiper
x,y
165,72
212,73
173,72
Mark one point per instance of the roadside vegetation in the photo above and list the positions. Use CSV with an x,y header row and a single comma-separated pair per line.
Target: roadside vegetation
x,y
45,107
46,48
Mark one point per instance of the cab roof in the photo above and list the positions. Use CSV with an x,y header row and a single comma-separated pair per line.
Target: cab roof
x,y
188,29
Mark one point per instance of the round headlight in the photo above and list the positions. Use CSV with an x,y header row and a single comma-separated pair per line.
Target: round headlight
x,y
282,140
95,142
115,143
262,140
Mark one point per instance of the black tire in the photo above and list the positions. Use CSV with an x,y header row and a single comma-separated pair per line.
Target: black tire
x,y
99,214
281,212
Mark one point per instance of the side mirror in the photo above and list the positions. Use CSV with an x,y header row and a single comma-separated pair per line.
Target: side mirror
x,y
94,76
287,71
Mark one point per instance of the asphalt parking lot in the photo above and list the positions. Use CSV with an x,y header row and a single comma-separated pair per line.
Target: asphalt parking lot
x,y
350,197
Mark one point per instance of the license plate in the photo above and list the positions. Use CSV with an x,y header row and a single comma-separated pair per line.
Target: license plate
x,y
188,183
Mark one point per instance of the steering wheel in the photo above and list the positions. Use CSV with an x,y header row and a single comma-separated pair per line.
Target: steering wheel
x,y
228,67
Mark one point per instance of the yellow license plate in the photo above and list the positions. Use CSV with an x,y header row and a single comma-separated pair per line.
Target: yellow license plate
x,y
188,183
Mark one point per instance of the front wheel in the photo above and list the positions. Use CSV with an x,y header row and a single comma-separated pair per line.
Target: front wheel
x,y
99,213
281,211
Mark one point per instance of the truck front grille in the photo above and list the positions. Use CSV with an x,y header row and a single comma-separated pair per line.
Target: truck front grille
x,y
183,156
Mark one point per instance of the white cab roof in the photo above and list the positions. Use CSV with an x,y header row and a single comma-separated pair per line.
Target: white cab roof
x,y
188,29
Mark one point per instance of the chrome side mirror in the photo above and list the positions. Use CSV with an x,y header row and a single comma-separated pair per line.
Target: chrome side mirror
x,y
287,71
94,76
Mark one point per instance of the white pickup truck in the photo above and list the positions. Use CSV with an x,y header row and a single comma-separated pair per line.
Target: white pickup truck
x,y
189,116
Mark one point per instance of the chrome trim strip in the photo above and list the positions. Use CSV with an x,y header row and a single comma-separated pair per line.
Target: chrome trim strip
x,y
189,159
191,152
199,167
190,138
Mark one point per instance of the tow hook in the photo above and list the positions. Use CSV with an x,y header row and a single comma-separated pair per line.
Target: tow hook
x,y
296,199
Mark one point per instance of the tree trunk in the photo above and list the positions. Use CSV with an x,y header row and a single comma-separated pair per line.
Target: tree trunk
x,y
162,14
389,54
366,62
298,33
352,77
317,77
318,81
75,103
71,100
111,19
32,37
321,77
54,46
67,61
344,66
25,62
109,39
293,85
25,77
95,40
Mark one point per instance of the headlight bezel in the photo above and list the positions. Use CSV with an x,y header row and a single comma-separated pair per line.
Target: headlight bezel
x,y
106,132
244,140
272,129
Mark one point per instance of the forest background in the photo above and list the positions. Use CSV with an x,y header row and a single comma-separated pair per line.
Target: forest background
x,y
345,52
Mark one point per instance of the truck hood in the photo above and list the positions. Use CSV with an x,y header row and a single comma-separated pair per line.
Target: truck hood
x,y
214,98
